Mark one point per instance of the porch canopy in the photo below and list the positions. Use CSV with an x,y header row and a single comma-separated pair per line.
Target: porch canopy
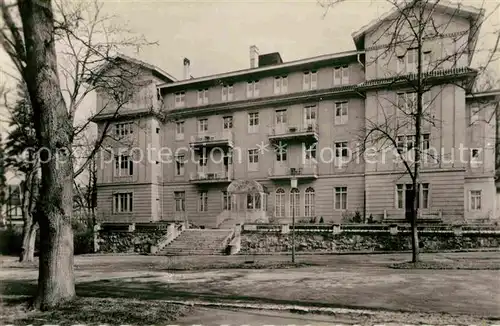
x,y
248,201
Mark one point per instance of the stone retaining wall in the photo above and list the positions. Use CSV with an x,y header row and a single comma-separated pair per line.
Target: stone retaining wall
x,y
128,242
271,242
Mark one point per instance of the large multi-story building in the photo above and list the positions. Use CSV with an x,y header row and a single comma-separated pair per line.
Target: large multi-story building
x,y
203,139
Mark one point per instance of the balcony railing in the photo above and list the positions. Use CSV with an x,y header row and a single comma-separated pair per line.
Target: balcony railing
x,y
288,132
224,138
300,171
210,177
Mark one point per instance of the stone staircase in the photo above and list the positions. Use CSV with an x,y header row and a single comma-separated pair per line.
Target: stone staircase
x,y
198,242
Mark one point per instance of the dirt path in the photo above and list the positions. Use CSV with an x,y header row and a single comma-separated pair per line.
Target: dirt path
x,y
343,281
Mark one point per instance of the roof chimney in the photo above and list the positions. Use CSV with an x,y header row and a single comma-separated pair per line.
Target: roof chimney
x,y
254,56
187,73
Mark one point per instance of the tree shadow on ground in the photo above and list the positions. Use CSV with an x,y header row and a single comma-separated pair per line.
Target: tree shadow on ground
x,y
156,290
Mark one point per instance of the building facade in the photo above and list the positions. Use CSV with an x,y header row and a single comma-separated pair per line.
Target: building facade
x,y
175,151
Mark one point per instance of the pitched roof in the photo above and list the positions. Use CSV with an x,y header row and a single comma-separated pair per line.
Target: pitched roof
x,y
456,9
290,64
163,75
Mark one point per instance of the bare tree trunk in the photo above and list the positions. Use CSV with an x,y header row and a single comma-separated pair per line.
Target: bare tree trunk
x,y
29,238
54,132
418,147
30,227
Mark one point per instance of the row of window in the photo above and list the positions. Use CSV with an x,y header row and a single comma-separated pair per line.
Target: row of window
x,y
124,165
280,85
280,119
123,202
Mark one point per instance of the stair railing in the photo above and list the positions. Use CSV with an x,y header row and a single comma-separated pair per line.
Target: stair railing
x,y
173,231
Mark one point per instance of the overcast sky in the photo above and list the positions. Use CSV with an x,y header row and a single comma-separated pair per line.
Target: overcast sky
x,y
216,35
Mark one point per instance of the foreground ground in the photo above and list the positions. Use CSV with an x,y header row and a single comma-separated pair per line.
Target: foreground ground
x,y
133,289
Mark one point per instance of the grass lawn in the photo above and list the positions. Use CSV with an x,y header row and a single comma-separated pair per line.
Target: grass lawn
x,y
112,286
90,310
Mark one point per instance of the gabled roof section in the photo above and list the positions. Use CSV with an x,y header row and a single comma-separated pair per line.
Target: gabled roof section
x,y
474,14
164,76
297,64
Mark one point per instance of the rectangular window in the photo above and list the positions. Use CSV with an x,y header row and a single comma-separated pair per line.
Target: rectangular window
x,y
227,93
310,152
280,117
407,142
475,200
123,166
281,152
474,114
179,165
340,198
426,142
400,143
253,159
427,59
180,99
203,201
202,126
410,61
179,130
475,154
425,195
226,201
203,96
123,202
341,112
309,203
310,80
203,160
227,123
253,89
180,201
310,116
253,122
281,85
410,142
341,75
401,195
341,149
407,102
123,129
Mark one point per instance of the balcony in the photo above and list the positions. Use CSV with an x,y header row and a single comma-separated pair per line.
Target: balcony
x,y
283,132
203,177
300,171
214,139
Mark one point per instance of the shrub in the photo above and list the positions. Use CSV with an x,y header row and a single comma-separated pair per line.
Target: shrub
x,y
357,218
321,221
83,242
11,240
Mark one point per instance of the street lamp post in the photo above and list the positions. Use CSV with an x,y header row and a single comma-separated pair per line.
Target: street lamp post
x,y
293,184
